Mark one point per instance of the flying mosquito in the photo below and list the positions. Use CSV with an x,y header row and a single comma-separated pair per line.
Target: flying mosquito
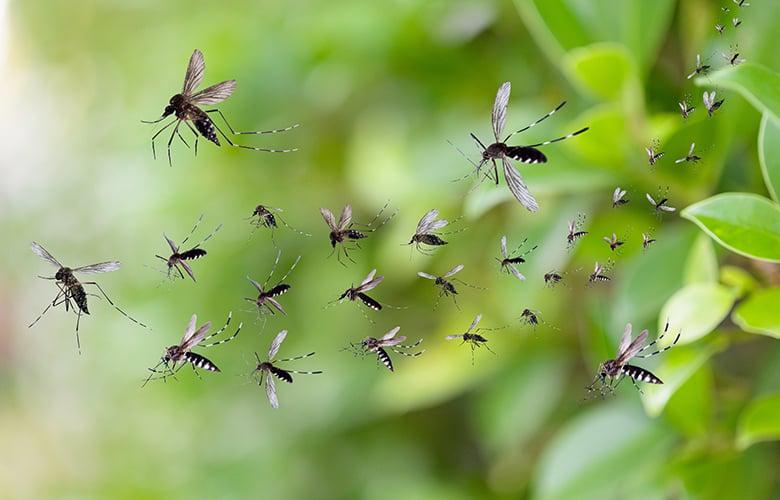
x,y
613,371
371,344
719,28
70,288
473,339
265,216
186,107
358,292
343,232
736,22
266,297
182,354
661,205
618,197
700,68
685,109
574,231
653,154
425,232
531,318
524,154
552,278
741,3
710,103
647,239
268,370
446,285
733,59
598,271
614,243
178,258
690,156
509,263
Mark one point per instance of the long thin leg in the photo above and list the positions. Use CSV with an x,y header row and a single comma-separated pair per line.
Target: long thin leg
x,y
114,305
558,139
540,120
258,132
231,143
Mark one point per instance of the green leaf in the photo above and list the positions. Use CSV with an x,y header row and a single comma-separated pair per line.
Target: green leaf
x,y
759,313
759,422
758,84
769,154
602,69
702,264
696,310
746,224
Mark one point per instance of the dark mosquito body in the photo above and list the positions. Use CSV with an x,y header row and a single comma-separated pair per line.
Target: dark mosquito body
x,y
733,58
700,68
711,104
176,356
269,370
647,239
532,318
425,233
613,371
575,231
618,197
186,108
685,108
445,284
653,153
179,258
472,338
358,292
265,216
599,272
499,150
509,260
741,3
614,243
344,231
660,206
71,289
266,297
389,340
552,278
719,28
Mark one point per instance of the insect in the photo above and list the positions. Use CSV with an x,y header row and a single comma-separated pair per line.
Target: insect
x,y
574,231
741,3
358,292
186,107
618,197
733,59
182,354
265,216
647,239
268,370
710,103
532,318
425,235
700,68
509,263
614,243
661,205
371,344
445,285
690,156
598,269
613,371
736,22
473,339
720,28
70,288
267,297
685,109
178,258
652,156
552,278
524,154
343,231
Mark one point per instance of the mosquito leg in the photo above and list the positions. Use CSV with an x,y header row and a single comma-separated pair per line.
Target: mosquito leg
x,y
259,132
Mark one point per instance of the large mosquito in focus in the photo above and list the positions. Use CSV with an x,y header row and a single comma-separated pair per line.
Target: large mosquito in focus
x,y
613,371
268,370
445,284
524,154
508,262
343,232
185,106
70,288
182,354
178,258
425,232
358,292
266,297
377,345
473,339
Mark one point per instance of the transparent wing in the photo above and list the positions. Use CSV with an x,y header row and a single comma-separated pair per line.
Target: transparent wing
x,y
503,246
346,217
270,390
214,94
425,223
453,271
42,253
190,329
453,337
633,348
329,219
368,278
102,267
368,285
708,99
650,199
391,334
517,274
194,74
171,244
498,116
275,344
426,275
518,188
474,323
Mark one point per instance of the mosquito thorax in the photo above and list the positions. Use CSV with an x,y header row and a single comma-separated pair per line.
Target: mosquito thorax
x,y
495,150
63,273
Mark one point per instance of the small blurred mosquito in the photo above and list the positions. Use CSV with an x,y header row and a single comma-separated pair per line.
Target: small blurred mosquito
x,y
358,292
425,232
647,239
508,262
685,109
178,258
473,339
265,216
266,297
575,232
736,22
446,285
524,154
700,68
613,371
343,232
690,156
710,103
372,344
182,354
533,319
660,206
618,197
599,271
70,288
733,59
268,370
614,243
719,28
652,152
552,278
185,106
741,3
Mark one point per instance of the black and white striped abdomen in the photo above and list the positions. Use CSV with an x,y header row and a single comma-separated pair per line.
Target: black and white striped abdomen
x,y
199,361
640,374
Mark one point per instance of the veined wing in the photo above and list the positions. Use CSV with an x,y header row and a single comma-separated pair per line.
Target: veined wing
x,y
518,188
42,253
214,94
102,267
346,217
275,344
330,220
498,116
194,74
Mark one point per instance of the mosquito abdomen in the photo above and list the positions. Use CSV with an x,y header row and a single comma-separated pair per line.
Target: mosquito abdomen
x,y
200,362
640,374
206,127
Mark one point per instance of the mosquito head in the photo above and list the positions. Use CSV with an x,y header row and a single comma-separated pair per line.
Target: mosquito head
x,y
64,274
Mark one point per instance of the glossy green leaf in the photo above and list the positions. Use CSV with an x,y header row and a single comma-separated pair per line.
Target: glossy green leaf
x,y
746,224
759,422
695,310
756,83
759,313
769,153
690,408
602,69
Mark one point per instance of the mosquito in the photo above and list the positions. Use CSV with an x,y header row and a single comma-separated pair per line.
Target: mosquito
x,y
371,344
343,231
618,197
652,155
509,263
613,371
598,271
614,243
736,22
425,232
574,231
473,339
266,297
531,318
741,3
178,258
186,107
265,216
690,156
358,292
685,109
552,278
733,59
720,28
710,103
70,288
661,205
524,154
647,239
446,286
700,68
268,370
182,354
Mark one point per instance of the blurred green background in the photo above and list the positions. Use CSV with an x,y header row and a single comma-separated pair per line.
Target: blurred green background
x,y
379,88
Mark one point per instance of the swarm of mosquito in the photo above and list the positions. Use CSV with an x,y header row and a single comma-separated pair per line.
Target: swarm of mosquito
x,y
186,108
269,370
613,371
510,260
472,338
389,340
179,258
266,297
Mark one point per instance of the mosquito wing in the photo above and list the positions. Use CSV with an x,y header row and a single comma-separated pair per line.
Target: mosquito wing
x,y
453,271
346,217
102,267
632,348
275,344
426,275
389,335
498,116
651,200
214,94
329,219
425,222
42,253
474,323
370,283
256,285
194,74
516,185
503,246
270,390
453,337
